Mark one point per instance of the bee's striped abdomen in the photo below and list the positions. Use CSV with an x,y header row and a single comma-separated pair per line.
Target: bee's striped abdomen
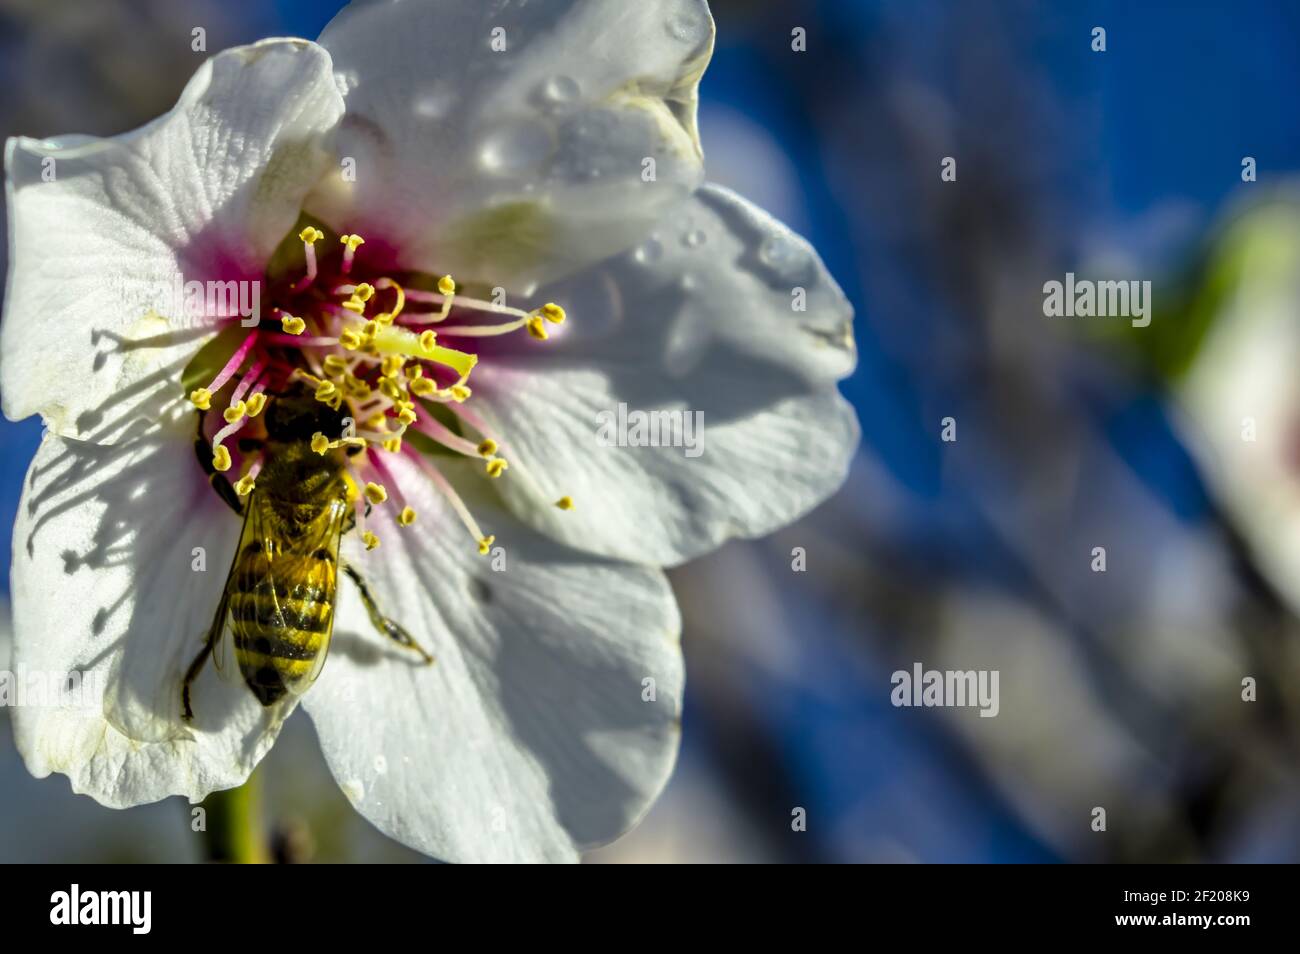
x,y
281,613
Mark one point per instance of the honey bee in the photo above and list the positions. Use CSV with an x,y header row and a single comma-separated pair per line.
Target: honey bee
x,y
277,606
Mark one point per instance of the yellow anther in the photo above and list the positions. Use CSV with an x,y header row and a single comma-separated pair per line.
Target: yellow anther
x,y
485,544
537,328
256,403
365,291
422,387
377,422
355,305
427,340
201,398
393,445
311,235
349,339
221,458
459,393
292,325
415,372
235,412
352,241
335,365
244,485
407,417
370,329
391,365
446,285
385,318
375,493
497,466
390,389
370,539
565,502
488,448
320,443
553,313
406,517
326,390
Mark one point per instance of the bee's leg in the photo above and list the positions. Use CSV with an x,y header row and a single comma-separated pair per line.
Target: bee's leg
x,y
381,622
196,667
203,451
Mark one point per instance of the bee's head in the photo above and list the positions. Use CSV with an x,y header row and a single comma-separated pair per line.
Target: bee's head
x,y
296,415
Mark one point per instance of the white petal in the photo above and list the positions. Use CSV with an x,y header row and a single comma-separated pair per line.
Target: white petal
x,y
507,167
530,736
104,584
100,230
698,320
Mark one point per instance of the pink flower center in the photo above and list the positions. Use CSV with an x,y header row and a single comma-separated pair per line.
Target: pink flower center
x,y
384,356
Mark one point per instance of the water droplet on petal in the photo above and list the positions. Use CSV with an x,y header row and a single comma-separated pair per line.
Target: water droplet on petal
x,y
559,90
515,147
381,764
782,254
649,252
694,238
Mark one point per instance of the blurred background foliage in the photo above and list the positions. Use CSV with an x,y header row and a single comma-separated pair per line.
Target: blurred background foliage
x,y
1120,689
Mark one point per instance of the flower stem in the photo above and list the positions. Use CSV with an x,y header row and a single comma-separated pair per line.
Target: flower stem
x,y
235,833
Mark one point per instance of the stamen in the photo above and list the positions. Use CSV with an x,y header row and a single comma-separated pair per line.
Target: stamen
x,y
350,243
248,380
310,236
453,498
389,316
226,431
444,436
565,502
375,493
202,397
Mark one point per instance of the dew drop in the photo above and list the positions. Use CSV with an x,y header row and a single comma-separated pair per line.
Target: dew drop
x,y
649,252
381,765
559,90
515,148
694,238
781,254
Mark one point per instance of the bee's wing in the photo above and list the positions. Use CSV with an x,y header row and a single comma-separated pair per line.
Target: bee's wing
x,y
248,572
320,548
